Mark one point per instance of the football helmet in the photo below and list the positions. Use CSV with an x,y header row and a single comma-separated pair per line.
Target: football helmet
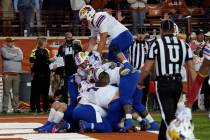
x,y
87,12
80,58
97,72
180,130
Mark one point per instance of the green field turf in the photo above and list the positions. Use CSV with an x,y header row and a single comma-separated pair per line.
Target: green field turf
x,y
201,124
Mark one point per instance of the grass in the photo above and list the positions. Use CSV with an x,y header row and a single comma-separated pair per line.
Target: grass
x,y
201,124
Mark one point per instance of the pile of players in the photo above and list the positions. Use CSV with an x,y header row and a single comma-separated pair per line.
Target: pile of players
x,y
98,93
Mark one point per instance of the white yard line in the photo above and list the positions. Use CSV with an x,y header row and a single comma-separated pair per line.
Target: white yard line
x,y
16,131
51,136
12,118
154,132
17,125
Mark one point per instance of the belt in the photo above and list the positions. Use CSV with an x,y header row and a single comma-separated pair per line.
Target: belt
x,y
11,73
177,77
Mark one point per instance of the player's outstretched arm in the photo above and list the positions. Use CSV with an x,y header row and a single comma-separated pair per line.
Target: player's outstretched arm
x,y
102,43
203,72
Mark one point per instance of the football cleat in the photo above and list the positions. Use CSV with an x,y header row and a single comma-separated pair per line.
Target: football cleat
x,y
48,128
128,125
154,126
61,127
143,125
37,129
84,126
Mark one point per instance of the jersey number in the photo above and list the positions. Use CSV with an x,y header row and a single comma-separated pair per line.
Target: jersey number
x,y
174,53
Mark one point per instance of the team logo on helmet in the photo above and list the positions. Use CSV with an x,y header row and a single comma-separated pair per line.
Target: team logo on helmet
x,y
178,130
81,57
87,12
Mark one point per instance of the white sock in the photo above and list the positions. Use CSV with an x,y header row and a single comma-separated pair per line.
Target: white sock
x,y
149,118
92,126
124,61
51,115
128,116
139,119
58,117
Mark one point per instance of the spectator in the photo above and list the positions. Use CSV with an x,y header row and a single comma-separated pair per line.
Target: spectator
x,y
67,51
76,5
41,76
36,13
12,57
138,14
7,16
197,47
54,11
25,9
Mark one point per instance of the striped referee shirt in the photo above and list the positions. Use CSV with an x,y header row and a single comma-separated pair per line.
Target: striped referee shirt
x,y
137,54
169,54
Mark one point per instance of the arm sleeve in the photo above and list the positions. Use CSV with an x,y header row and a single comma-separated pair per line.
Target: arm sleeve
x,y
19,56
32,56
152,51
102,23
6,55
194,89
94,31
189,55
206,52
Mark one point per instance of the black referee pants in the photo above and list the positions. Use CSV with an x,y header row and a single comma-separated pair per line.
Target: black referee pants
x,y
169,92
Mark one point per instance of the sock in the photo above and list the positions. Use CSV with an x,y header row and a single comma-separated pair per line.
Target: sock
x,y
149,118
124,61
51,115
92,126
128,116
58,117
139,119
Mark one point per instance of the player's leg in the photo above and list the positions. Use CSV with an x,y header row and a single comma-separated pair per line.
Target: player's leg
x,y
55,117
90,118
73,91
141,109
118,50
127,88
51,115
111,122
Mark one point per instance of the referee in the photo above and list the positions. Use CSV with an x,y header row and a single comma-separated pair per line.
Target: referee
x,y
168,54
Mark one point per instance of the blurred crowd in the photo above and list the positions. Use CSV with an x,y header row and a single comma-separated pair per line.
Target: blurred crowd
x,y
34,14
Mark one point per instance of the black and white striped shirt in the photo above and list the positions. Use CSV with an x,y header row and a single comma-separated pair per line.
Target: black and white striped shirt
x,y
169,54
137,54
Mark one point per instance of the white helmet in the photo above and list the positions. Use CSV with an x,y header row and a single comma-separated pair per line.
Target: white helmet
x,y
80,58
178,130
97,72
87,12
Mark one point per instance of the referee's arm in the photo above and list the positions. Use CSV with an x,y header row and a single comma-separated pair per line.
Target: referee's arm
x,y
145,72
